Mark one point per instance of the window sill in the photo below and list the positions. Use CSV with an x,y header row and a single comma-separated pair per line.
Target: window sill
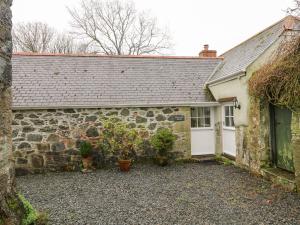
x,y
202,128
229,128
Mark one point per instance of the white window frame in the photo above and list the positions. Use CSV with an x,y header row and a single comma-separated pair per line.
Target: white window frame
x,y
210,116
224,116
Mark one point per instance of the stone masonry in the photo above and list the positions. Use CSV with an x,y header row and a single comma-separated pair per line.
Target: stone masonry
x,y
10,214
296,146
253,141
48,140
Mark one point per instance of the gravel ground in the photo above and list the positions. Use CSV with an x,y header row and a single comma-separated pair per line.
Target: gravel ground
x,y
206,193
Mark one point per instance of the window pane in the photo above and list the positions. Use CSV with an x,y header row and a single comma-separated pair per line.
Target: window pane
x,y
226,110
194,123
201,122
200,112
193,112
232,121
207,112
227,123
207,122
231,110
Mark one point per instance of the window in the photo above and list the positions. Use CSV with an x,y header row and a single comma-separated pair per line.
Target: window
x,y
229,116
200,117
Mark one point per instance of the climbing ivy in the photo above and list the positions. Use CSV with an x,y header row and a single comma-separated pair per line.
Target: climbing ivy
x,y
278,81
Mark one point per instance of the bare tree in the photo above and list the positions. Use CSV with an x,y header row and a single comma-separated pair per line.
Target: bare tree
x,y
295,10
116,28
32,37
66,44
62,43
40,37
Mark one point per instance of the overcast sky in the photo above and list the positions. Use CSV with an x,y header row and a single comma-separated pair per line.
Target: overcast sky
x,y
192,23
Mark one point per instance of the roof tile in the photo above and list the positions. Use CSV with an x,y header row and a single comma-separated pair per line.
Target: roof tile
x,y
51,81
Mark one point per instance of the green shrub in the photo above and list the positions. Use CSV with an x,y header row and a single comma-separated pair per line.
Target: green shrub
x,y
85,149
31,216
117,138
163,141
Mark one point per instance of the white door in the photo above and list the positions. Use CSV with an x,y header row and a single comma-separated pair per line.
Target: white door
x,y
202,131
228,133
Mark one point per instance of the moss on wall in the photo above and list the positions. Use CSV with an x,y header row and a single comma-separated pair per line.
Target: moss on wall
x,y
296,146
253,141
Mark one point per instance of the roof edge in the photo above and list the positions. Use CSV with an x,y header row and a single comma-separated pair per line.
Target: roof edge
x,y
112,56
151,105
212,74
282,33
267,28
226,78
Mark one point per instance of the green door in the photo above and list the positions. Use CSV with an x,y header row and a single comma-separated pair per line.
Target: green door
x,y
283,136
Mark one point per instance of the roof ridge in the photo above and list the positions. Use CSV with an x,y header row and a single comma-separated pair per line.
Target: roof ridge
x,y
111,56
269,27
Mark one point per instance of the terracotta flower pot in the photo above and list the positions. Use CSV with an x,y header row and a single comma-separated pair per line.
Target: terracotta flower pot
x,y
124,165
87,163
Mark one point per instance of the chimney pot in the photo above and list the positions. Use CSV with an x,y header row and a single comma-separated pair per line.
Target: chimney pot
x,y
206,53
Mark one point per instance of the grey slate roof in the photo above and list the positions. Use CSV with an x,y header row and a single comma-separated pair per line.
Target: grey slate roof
x,y
55,81
237,59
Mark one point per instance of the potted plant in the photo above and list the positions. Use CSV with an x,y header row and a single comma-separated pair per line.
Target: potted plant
x,y
163,141
85,150
120,140
130,142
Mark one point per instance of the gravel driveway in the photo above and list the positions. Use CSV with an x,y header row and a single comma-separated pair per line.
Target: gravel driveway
x,y
206,193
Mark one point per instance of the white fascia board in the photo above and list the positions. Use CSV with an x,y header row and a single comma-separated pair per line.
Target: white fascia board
x,y
226,79
152,105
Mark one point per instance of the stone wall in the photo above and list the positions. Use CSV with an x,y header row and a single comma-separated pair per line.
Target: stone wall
x,y
253,141
218,130
296,146
10,214
46,140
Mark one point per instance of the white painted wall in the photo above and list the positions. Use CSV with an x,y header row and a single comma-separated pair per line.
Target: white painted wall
x,y
234,88
238,87
229,145
228,135
203,139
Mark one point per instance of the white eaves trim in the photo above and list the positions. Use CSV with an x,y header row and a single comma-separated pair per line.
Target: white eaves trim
x,y
227,78
151,105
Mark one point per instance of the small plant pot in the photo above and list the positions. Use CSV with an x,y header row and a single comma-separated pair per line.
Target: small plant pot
x,y
162,160
87,163
124,165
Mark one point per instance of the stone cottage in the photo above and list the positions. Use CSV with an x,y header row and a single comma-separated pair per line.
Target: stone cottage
x,y
59,99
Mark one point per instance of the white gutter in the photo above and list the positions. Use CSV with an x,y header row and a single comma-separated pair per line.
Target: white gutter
x,y
227,78
150,105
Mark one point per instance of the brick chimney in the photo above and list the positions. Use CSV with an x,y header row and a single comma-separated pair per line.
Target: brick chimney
x,y
208,53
